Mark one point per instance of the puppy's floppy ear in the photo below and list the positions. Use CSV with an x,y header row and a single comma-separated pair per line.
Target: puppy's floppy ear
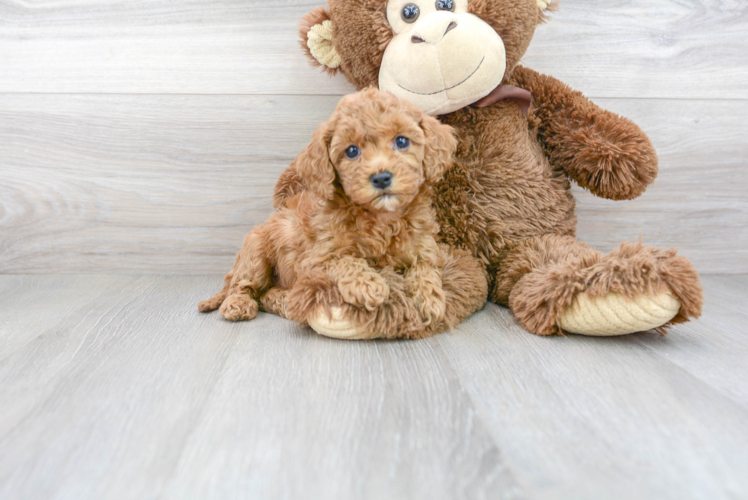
x,y
314,166
315,37
440,147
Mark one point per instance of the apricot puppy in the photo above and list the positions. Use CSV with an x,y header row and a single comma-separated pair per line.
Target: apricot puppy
x,y
364,213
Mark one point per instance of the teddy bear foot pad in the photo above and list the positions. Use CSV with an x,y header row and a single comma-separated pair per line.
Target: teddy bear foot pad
x,y
613,314
338,327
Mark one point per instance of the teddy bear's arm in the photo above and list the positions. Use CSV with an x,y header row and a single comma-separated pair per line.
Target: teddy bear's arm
x,y
603,152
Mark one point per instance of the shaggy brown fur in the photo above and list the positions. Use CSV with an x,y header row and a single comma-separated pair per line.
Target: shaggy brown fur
x,y
540,277
342,242
507,200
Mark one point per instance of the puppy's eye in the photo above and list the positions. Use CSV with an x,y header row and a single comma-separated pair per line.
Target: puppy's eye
x,y
352,152
410,13
445,5
402,143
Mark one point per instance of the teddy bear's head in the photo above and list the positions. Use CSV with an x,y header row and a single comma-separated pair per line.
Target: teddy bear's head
x,y
441,55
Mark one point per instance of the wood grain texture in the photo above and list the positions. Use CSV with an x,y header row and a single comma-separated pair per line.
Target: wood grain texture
x,y
115,387
715,355
582,418
171,184
607,48
139,396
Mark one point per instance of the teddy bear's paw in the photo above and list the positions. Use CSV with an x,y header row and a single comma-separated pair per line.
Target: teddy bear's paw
x,y
614,314
239,307
368,290
337,326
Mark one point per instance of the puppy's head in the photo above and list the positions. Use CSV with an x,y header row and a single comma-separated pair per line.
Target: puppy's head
x,y
376,150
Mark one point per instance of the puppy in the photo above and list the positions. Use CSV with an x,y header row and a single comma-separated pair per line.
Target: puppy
x,y
364,214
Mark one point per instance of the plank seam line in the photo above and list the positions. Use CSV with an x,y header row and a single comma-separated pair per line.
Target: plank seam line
x,y
696,379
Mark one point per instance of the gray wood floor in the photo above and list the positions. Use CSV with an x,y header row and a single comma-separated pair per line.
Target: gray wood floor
x,y
115,387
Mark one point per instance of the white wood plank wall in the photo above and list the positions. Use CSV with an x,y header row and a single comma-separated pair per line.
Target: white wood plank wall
x,y
146,136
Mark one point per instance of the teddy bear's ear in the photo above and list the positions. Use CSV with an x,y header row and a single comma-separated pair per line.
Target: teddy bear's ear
x,y
316,32
545,7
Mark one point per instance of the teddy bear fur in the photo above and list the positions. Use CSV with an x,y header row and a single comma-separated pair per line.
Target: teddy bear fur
x,y
344,243
507,199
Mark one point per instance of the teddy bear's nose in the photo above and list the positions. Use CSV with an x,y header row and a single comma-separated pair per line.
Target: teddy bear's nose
x,y
381,180
433,32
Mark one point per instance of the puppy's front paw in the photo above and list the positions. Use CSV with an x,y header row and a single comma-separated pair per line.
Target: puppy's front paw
x,y
367,290
211,304
239,307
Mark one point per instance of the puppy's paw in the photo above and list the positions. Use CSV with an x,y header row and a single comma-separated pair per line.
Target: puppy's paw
x,y
275,301
210,305
368,290
239,307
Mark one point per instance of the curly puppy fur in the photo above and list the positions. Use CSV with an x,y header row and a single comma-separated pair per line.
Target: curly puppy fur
x,y
507,200
342,242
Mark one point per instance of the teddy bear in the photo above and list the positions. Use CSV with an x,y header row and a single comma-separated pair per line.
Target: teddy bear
x,y
523,137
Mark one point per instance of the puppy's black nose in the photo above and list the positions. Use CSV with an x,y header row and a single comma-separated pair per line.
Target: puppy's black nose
x,y
381,181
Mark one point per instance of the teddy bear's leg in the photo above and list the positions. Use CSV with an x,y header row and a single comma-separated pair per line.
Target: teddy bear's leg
x,y
556,283
465,289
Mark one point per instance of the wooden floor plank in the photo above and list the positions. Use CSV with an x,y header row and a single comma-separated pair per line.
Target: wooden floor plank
x,y
100,405
295,415
171,184
130,393
116,402
34,306
607,48
715,348
582,417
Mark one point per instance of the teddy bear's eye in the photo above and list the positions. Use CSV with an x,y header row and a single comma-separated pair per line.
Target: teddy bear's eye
x,y
402,143
352,152
445,5
410,13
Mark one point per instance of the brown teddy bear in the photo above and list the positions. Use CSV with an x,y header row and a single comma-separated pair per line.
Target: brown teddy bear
x,y
523,137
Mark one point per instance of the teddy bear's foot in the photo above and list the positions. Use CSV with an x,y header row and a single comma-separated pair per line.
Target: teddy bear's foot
x,y
338,326
614,314
563,285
